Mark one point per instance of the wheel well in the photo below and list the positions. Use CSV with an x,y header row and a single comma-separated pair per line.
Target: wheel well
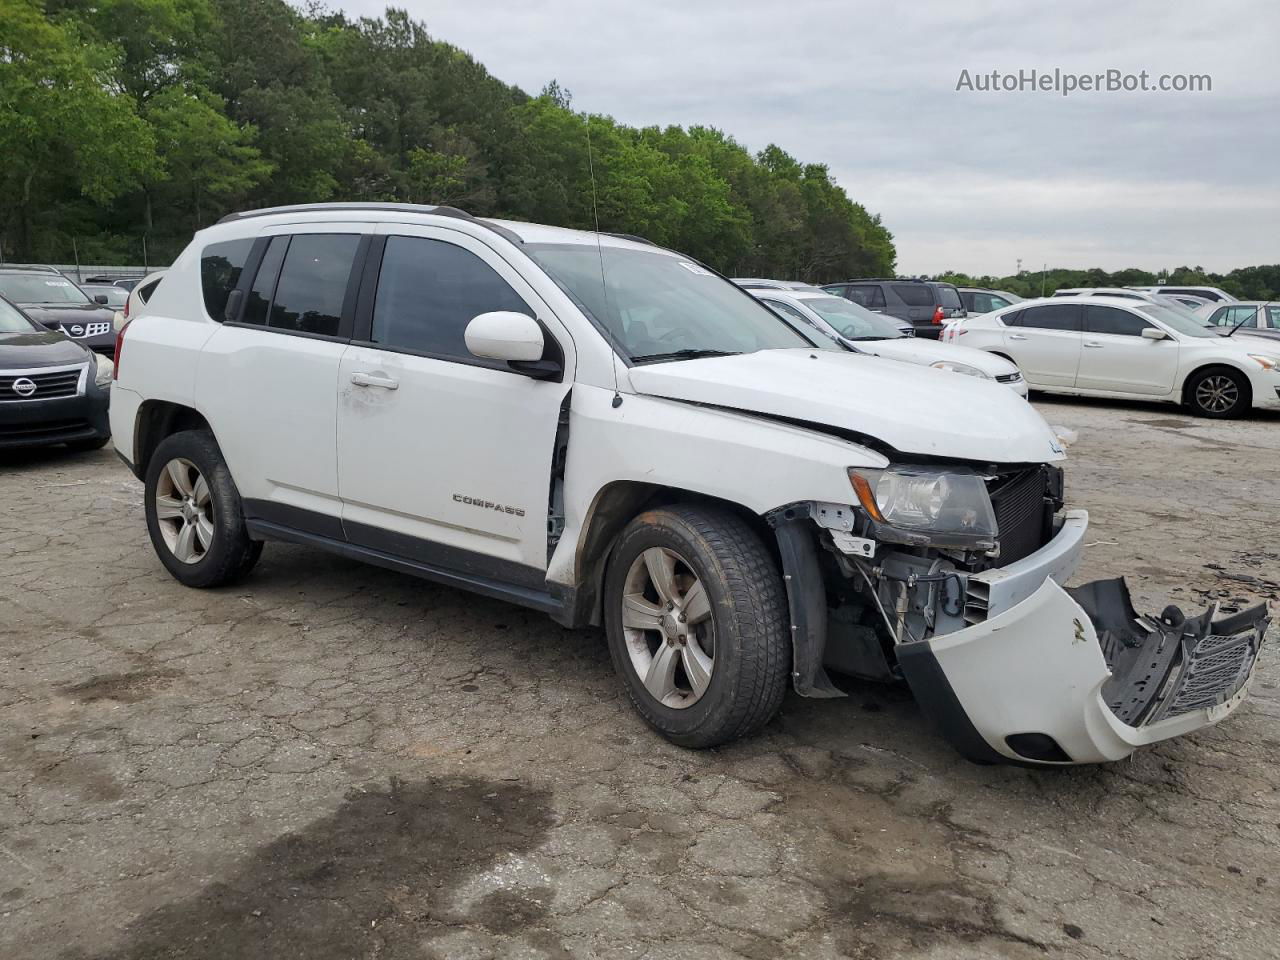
x,y
616,505
1209,367
1004,356
158,419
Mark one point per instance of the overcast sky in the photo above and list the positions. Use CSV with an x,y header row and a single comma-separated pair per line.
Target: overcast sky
x,y
965,180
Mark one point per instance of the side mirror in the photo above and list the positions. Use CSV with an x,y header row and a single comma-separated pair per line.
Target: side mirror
x,y
504,335
516,338
100,298
1154,333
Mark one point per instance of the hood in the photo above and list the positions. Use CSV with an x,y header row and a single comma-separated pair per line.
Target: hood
x,y
67,312
920,350
19,350
910,408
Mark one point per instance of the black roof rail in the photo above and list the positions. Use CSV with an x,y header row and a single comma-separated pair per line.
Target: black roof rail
x,y
422,208
630,236
889,280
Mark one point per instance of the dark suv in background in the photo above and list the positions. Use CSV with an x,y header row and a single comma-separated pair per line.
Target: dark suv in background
x,y
926,304
50,299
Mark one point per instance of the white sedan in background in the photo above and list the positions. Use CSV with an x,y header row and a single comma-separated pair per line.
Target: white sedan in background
x,y
1118,347
866,332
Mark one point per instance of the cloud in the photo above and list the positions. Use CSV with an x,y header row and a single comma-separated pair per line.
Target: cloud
x,y
964,180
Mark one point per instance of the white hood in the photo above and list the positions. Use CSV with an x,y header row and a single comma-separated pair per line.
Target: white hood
x,y
920,350
911,408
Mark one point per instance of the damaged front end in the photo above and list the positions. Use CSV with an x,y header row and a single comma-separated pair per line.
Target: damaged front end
x,y
973,614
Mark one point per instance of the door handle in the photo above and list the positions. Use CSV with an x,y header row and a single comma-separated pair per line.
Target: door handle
x,y
372,380
1092,343
1017,336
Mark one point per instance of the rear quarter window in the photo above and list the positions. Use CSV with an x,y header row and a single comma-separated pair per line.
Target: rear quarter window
x,y
220,266
915,294
949,297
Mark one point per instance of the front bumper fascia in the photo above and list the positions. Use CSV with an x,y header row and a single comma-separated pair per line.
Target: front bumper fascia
x,y
1033,671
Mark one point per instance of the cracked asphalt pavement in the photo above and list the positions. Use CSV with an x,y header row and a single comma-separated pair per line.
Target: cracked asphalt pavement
x,y
332,761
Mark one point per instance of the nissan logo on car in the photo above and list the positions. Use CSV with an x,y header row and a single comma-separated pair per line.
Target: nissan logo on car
x,y
24,387
77,331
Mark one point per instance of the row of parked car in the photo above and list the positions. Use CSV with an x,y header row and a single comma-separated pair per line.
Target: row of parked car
x,y
57,341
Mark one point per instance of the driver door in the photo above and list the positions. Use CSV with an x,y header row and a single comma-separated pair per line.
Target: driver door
x,y
444,457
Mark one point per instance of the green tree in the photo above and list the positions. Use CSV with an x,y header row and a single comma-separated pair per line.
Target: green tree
x,y
63,133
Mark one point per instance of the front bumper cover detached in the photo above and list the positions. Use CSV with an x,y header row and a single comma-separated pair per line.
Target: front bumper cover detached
x,y
1077,676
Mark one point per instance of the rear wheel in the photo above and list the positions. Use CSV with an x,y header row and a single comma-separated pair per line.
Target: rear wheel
x,y
193,512
1220,393
696,619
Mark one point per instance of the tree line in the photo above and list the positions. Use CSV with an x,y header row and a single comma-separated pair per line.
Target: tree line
x,y
124,122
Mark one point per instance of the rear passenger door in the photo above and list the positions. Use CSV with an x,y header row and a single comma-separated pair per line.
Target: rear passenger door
x,y
1044,341
445,458
268,376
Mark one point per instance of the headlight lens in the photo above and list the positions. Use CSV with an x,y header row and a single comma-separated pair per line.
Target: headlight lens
x,y
104,369
1267,363
955,367
927,499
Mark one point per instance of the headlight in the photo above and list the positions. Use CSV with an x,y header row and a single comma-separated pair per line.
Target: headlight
x,y
947,503
955,367
1267,363
104,370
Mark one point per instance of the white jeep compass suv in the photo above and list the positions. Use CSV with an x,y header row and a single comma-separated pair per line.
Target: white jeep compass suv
x,y
610,432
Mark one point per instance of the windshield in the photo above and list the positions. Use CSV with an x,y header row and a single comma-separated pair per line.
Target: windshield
x,y
661,307
1186,324
40,288
11,321
852,321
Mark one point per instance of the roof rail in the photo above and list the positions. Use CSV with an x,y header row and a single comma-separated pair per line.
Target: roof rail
x,y
630,236
421,208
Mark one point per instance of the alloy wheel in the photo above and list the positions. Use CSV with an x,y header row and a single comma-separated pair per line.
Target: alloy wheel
x,y
666,622
184,510
1217,394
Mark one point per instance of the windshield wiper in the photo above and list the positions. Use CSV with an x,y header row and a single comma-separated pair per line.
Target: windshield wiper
x,y
861,339
683,355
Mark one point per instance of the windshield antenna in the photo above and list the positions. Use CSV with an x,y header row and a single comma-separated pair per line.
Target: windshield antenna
x,y
604,286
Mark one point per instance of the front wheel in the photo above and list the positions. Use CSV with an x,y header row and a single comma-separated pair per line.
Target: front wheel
x,y
695,613
193,512
1221,393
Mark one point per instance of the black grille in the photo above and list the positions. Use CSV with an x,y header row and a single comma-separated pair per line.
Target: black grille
x,y
48,386
1019,503
52,431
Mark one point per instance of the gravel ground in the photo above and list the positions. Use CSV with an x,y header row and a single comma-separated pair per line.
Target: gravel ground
x,y
333,761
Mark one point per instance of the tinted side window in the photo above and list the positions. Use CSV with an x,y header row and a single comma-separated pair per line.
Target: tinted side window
x,y
1057,316
220,266
1273,318
1013,318
1113,321
838,289
264,284
1219,318
860,295
949,298
429,290
145,293
915,294
313,283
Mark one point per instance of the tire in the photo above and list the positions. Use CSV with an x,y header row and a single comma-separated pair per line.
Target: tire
x,y
740,619
87,446
1219,393
216,545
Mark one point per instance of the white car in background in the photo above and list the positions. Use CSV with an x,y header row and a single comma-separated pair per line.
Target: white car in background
x,y
1217,294
1116,347
859,329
